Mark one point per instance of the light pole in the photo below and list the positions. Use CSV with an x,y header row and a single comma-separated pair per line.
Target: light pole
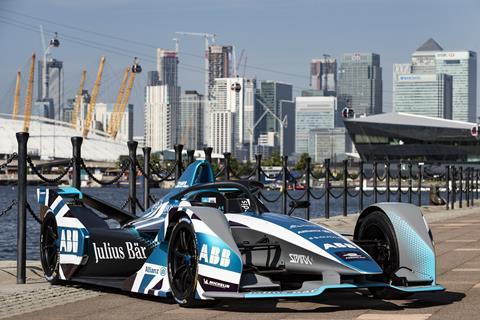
x,y
283,124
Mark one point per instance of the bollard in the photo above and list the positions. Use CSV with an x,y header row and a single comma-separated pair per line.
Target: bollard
x,y
258,166
399,194
132,176
308,172
178,160
146,183
327,188
420,177
387,165
190,156
447,178
360,189
460,196
284,184
375,177
22,139
345,187
77,157
208,154
227,157
410,183
454,187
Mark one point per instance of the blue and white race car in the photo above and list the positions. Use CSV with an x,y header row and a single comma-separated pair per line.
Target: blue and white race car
x,y
207,241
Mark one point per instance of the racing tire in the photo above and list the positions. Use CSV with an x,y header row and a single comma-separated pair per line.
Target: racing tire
x,y
49,251
377,226
183,265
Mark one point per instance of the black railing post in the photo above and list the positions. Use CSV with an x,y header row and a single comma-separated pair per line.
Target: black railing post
x,y
190,156
470,185
146,183
258,166
447,187
375,178
410,183
454,187
476,184
460,198
284,184
227,157
467,186
208,154
345,187
387,166
327,188
77,157
132,176
399,194
420,178
178,160
308,172
22,139
360,187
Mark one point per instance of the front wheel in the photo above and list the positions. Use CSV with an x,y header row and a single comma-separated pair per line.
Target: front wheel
x,y
376,226
49,251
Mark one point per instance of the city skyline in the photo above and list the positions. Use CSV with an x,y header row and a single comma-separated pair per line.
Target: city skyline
x,y
287,51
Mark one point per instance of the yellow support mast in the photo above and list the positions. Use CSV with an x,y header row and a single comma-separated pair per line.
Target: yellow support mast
x,y
118,102
16,100
136,68
78,100
28,98
93,99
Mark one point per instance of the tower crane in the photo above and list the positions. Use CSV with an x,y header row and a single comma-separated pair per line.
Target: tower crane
x,y
28,99
118,102
78,100
16,100
207,37
283,124
136,68
93,99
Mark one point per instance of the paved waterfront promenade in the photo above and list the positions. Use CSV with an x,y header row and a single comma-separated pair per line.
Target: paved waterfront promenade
x,y
457,238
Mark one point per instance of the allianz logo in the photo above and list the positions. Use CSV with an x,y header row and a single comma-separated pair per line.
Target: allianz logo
x,y
105,251
300,258
69,241
338,245
215,256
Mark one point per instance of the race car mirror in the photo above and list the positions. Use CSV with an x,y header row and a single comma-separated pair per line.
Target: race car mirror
x,y
298,204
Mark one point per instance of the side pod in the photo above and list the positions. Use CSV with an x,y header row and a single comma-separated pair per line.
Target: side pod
x,y
414,240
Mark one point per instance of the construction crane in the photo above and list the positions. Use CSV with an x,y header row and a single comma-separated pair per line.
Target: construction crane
x,y
207,37
28,99
118,102
136,68
239,62
16,100
78,100
93,99
282,123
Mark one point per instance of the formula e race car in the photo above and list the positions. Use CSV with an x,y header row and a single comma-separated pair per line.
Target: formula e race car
x,y
207,241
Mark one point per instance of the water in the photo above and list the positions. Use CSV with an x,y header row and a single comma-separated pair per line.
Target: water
x,y
118,195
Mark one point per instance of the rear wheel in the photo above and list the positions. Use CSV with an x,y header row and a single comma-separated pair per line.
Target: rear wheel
x,y
49,251
183,264
376,226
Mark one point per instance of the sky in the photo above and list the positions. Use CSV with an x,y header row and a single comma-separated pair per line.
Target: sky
x,y
279,38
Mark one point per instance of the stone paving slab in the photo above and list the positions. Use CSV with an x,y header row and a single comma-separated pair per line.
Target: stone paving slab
x,y
456,271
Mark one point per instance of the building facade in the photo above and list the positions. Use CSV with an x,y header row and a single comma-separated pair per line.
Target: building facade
x,y
323,75
360,83
54,88
219,64
158,125
312,113
191,119
271,94
329,143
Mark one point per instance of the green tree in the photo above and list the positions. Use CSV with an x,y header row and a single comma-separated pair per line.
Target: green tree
x,y
302,162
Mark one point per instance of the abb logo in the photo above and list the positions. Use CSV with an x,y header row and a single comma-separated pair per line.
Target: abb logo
x,y
69,241
215,256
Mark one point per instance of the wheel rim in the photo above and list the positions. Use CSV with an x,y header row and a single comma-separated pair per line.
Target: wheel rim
x,y
49,247
183,263
382,258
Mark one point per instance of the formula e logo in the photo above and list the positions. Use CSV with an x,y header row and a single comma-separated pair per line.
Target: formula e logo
x,y
215,256
69,241
300,259
338,245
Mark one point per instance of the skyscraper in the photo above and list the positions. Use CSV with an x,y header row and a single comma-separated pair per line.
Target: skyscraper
x,y
54,88
323,75
219,64
271,94
191,119
360,83
158,129
167,68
